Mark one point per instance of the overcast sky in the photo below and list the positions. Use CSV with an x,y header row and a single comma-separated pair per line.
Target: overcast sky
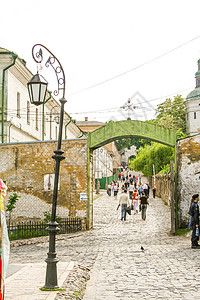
x,y
110,50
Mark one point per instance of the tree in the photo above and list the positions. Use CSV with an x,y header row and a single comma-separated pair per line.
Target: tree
x,y
11,204
157,154
172,114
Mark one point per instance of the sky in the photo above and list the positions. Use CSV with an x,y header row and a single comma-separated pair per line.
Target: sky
x,y
110,50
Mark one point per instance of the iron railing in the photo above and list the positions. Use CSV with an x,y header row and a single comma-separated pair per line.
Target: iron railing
x,y
29,229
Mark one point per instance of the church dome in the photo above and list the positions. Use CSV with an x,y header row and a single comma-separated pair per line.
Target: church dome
x,y
194,94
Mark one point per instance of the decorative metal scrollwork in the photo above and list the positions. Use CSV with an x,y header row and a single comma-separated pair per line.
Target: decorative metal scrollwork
x,y
52,61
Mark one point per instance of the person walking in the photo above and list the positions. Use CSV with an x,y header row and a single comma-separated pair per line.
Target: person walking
x,y
194,213
112,185
124,203
123,188
115,188
154,192
145,188
190,221
144,201
140,190
109,189
131,189
119,176
135,201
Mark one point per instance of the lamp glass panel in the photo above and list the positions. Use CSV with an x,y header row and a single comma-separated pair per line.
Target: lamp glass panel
x,y
36,92
30,92
43,92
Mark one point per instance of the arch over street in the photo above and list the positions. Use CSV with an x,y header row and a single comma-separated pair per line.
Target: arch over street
x,y
123,129
129,128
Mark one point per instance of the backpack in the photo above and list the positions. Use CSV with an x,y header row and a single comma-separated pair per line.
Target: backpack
x,y
191,211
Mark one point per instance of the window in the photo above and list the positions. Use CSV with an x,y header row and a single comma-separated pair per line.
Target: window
x,y
36,119
195,115
49,182
28,112
18,105
198,82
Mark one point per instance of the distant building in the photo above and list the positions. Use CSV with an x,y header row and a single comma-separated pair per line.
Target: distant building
x,y
126,154
106,159
89,126
193,107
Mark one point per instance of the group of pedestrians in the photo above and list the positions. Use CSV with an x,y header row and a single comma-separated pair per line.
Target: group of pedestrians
x,y
133,195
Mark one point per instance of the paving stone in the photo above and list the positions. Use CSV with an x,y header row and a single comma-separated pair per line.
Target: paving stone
x,y
112,251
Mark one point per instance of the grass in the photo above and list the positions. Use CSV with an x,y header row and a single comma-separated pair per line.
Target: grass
x,y
98,197
182,231
29,234
49,290
77,294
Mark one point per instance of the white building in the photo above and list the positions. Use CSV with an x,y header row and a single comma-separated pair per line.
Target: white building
x,y
126,153
106,159
21,121
103,163
193,107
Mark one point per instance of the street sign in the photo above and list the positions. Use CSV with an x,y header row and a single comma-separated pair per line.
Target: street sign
x,y
83,196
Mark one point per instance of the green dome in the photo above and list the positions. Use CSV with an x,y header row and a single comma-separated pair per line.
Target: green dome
x,y
194,94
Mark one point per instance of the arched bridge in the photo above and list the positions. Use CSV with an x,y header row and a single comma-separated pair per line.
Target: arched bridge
x,y
129,128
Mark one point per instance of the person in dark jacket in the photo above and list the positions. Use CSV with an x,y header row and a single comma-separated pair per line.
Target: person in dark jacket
x,y
143,202
194,212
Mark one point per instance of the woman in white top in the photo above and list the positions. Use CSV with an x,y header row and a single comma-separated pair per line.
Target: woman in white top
x,y
131,189
115,190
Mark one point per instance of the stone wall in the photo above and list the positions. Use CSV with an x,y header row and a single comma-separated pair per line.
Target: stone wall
x,y
188,161
28,170
163,187
188,177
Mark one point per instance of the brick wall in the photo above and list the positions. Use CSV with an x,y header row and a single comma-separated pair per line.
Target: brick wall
x,y
188,175
26,167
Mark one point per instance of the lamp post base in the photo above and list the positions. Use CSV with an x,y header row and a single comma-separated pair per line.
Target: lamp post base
x,y
51,260
51,275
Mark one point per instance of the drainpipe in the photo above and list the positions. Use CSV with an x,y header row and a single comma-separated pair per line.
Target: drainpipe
x,y
70,119
43,115
3,89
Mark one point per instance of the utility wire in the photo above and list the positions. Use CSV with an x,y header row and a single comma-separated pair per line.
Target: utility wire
x,y
12,112
135,68
115,108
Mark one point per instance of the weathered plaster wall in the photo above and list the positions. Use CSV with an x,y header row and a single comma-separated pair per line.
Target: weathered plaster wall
x,y
24,167
188,159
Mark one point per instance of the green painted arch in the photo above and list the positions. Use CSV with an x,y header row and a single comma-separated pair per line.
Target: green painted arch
x,y
129,128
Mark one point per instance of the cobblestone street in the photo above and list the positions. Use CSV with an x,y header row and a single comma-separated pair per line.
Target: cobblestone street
x,y
167,268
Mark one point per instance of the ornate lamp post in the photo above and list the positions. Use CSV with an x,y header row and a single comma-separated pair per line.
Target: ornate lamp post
x,y
37,90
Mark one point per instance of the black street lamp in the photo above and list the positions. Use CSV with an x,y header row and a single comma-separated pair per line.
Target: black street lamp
x,y
37,87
